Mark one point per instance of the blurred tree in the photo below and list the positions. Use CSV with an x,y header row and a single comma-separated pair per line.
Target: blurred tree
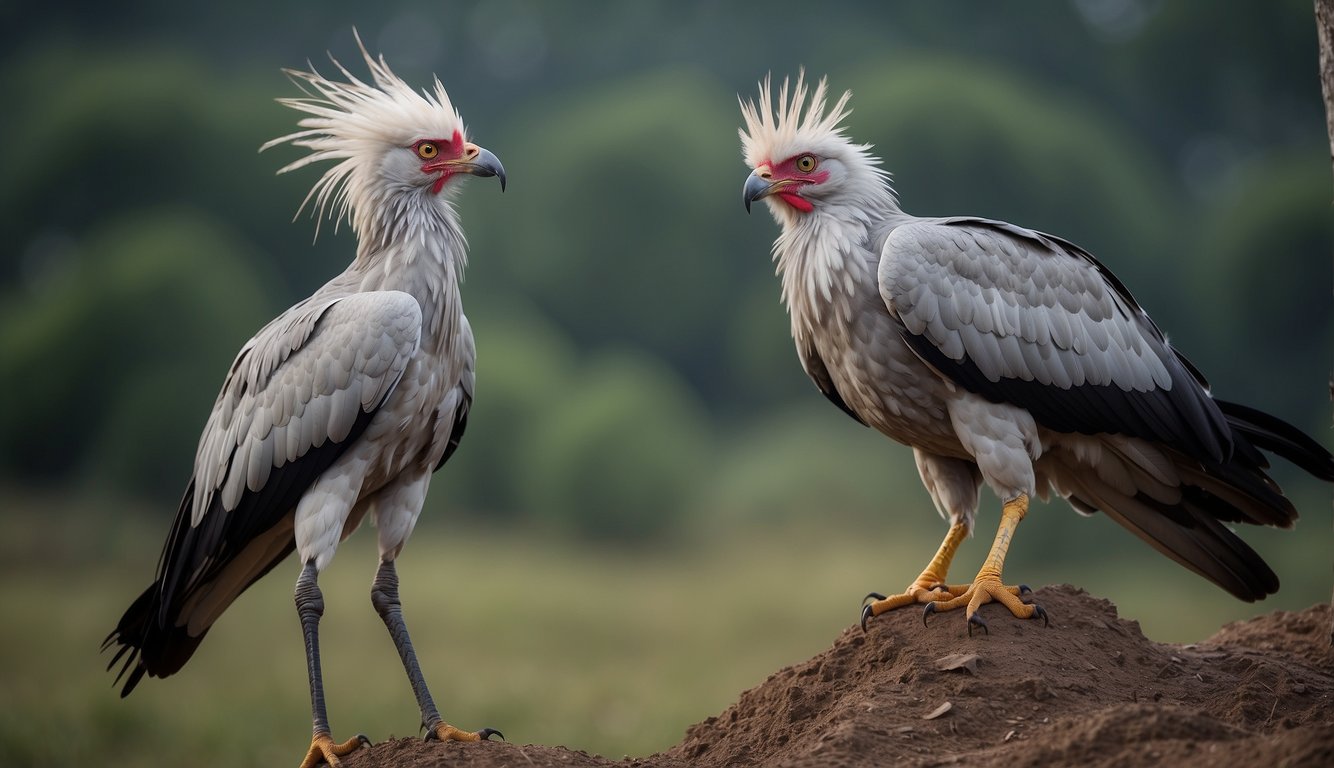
x,y
620,454
963,138
761,373
524,366
118,359
1262,272
1239,81
626,236
809,462
106,134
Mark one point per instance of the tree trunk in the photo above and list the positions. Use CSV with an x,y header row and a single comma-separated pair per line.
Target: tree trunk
x,y
1324,26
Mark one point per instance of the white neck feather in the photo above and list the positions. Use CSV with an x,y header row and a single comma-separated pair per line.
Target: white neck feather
x,y
827,259
412,242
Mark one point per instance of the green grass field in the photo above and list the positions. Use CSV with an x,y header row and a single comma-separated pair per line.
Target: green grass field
x,y
608,651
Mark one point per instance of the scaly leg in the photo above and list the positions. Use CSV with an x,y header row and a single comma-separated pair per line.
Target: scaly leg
x,y
987,586
384,596
310,607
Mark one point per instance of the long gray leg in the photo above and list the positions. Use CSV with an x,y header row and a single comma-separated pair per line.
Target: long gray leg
x,y
310,607
384,596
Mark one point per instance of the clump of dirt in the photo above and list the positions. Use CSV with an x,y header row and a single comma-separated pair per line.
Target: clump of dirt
x,y
1090,690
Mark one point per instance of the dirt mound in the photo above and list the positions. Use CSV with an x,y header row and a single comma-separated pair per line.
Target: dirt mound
x,y
1090,690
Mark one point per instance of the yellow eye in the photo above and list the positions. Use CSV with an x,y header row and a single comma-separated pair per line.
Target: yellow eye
x,y
427,150
806,163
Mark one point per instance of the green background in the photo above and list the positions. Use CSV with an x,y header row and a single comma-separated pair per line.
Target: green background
x,y
653,507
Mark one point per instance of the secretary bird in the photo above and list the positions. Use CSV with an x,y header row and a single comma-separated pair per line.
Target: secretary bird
x,y
1006,356
342,406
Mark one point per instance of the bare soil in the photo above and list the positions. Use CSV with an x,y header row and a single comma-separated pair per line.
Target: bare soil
x,y
1090,690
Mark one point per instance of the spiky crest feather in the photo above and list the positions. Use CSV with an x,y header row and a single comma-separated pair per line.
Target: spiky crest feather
x,y
354,122
796,125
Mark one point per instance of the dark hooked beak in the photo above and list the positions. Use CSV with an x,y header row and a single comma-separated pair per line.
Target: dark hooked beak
x,y
484,164
757,187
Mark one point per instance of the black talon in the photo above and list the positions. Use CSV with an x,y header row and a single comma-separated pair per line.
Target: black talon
x,y
976,620
872,595
927,611
1040,611
866,615
364,739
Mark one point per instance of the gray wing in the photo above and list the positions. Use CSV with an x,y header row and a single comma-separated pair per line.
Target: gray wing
x,y
298,394
304,380
1020,317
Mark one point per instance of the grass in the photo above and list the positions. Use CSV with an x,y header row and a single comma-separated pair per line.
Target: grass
x,y
598,649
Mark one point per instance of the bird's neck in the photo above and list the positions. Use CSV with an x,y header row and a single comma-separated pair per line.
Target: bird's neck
x,y
418,248
410,219
827,260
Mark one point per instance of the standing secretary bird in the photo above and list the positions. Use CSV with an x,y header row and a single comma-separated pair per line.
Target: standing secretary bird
x,y
1006,356
343,405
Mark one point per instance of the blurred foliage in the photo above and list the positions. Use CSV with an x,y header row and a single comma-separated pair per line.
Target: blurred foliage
x,y
1263,256
636,380
132,330
631,249
754,485
524,363
635,371
620,456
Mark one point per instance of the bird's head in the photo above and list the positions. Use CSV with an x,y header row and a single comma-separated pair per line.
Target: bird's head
x,y
391,141
800,157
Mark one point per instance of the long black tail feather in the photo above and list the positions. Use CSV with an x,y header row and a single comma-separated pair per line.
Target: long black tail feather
x,y
1277,436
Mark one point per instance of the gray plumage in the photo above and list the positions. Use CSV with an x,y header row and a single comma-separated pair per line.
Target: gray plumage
x,y
1006,356
344,405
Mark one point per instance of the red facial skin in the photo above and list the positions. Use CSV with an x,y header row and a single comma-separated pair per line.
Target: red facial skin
x,y
449,151
794,179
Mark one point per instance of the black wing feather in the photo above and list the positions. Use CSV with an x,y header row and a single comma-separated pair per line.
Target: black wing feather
x,y
195,555
1276,435
456,432
1183,416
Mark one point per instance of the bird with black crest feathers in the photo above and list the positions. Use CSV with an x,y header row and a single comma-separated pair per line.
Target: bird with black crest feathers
x,y
343,406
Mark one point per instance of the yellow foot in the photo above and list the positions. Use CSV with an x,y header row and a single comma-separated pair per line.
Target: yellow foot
x,y
324,750
447,732
927,588
916,594
984,590
919,594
